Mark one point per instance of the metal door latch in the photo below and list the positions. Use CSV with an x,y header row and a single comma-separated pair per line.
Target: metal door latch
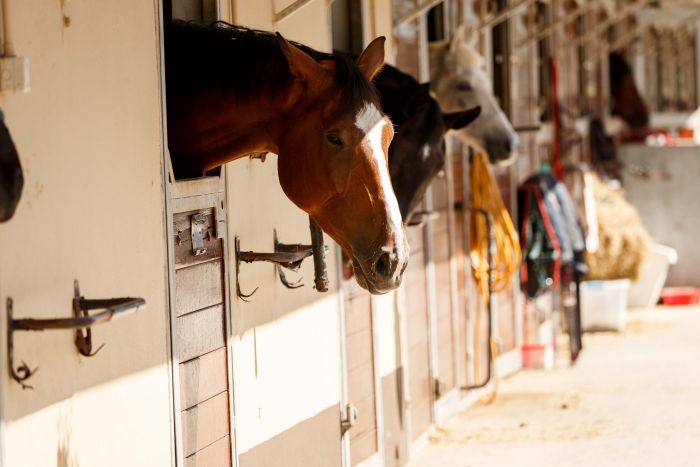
x,y
439,388
349,418
198,228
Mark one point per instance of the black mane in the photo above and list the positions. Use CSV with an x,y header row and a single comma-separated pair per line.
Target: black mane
x,y
245,62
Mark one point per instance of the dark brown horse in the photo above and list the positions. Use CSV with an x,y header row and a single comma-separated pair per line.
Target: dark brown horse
x,y
626,101
233,91
11,179
417,153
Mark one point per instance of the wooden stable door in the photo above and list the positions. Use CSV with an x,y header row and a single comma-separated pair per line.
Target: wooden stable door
x,y
200,340
360,371
442,253
420,387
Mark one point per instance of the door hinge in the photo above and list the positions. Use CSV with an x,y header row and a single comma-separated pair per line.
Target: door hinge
x,y
439,388
349,418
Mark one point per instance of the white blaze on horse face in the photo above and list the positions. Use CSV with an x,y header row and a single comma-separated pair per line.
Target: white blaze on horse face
x,y
371,122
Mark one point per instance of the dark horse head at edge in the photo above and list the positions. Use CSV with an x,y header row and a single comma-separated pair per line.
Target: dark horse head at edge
x,y
417,152
11,178
626,101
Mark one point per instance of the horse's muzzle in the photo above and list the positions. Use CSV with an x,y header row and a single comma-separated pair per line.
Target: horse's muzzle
x,y
382,272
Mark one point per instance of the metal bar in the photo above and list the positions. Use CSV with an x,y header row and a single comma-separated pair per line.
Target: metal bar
x,y
319,253
597,29
559,21
417,12
527,128
489,302
290,9
119,307
281,257
504,15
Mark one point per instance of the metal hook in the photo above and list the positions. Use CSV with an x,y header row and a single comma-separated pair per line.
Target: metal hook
x,y
81,319
22,372
239,292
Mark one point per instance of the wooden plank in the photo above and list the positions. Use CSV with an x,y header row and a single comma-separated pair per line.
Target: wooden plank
x,y
199,286
205,423
200,332
363,447
361,382
366,418
182,240
217,454
359,348
358,315
202,378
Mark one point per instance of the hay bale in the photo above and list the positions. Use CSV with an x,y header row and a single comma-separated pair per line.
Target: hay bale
x,y
624,242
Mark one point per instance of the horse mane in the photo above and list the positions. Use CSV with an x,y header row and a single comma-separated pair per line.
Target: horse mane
x,y
247,62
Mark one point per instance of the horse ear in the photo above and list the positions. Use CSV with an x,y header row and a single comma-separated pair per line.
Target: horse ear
x,y
301,64
371,59
465,33
457,120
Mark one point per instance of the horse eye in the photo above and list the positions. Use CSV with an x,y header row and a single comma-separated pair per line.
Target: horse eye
x,y
334,140
464,86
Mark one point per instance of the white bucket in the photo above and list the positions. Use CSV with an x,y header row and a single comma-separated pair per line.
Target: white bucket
x,y
604,305
646,290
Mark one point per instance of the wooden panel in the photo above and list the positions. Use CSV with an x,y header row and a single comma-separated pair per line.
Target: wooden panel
x,y
362,447
357,317
366,417
217,454
199,286
183,240
361,381
360,367
205,423
200,332
202,378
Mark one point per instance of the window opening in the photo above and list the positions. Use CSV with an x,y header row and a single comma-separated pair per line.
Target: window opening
x,y
199,11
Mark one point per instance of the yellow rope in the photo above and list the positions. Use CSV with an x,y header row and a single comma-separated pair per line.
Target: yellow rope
x,y
506,259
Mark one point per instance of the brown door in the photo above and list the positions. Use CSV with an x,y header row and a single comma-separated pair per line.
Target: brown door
x,y
360,368
200,340
443,311
420,388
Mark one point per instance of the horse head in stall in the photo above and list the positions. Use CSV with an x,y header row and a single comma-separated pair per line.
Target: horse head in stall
x,y
11,179
417,152
626,101
459,81
233,91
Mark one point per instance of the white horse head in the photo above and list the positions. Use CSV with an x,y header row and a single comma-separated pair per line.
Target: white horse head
x,y
459,80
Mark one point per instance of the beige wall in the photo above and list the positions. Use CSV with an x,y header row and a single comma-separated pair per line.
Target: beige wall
x,y
89,136
286,344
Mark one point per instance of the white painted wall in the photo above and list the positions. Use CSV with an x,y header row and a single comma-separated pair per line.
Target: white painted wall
x,y
89,136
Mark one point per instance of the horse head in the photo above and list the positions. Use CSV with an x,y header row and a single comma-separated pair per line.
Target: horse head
x,y
417,152
333,161
11,179
626,101
459,80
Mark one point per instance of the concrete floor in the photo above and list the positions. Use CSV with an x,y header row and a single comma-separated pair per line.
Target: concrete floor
x,y
633,399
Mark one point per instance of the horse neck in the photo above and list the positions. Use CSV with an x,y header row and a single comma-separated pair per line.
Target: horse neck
x,y
221,110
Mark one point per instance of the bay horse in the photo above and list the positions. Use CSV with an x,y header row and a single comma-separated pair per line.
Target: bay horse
x,y
417,152
625,99
459,81
232,91
11,178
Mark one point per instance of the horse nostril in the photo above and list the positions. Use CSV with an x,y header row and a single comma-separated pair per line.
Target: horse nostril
x,y
385,265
